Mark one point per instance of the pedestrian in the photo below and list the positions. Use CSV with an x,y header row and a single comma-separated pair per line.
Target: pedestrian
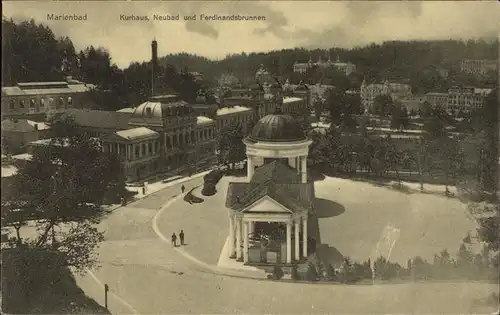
x,y
143,190
183,188
181,236
174,239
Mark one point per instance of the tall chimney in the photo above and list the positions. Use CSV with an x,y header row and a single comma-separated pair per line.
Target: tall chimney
x,y
154,65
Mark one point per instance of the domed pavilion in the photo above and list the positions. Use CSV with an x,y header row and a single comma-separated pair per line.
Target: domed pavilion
x,y
268,214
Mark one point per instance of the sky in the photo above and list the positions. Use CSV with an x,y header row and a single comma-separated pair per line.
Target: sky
x,y
309,24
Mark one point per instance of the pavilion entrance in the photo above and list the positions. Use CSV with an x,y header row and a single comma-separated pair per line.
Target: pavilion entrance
x,y
268,243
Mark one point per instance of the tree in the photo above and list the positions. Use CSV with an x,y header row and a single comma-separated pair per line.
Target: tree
x,y
394,158
382,105
489,230
311,273
446,157
396,115
63,193
434,127
404,119
426,110
318,108
230,144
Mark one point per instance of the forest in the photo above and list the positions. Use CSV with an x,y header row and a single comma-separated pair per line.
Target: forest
x,y
32,52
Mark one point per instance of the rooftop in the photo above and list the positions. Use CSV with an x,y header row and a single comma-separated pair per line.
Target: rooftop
x,y
277,128
231,110
202,120
8,171
99,118
129,110
46,88
23,125
136,133
276,180
23,157
291,99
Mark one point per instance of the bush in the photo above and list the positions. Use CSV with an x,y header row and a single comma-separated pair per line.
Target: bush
x,y
213,177
330,273
311,273
208,189
277,273
348,272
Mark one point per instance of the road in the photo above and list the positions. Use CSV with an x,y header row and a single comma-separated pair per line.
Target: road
x,y
146,275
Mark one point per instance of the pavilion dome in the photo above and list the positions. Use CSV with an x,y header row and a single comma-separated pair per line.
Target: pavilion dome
x,y
277,127
163,106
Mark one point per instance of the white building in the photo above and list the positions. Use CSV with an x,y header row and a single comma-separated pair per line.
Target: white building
x,y
466,99
346,67
479,67
437,99
370,91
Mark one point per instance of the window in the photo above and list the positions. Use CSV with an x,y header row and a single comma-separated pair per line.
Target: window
x,y
150,147
157,146
11,105
143,149
70,100
42,102
32,103
192,136
137,151
61,101
21,104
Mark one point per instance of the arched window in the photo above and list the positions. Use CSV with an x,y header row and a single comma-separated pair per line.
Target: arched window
x,y
21,104
137,151
70,100
32,103
42,102
143,146
60,102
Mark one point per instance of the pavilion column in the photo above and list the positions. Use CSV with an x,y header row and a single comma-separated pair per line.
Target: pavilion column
x,y
231,236
289,242
297,164
250,167
303,168
297,240
238,238
251,226
245,241
304,237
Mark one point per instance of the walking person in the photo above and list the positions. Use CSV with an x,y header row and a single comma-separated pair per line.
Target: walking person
x,y
183,188
181,236
174,239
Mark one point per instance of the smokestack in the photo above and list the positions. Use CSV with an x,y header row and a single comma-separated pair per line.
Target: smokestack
x,y
154,64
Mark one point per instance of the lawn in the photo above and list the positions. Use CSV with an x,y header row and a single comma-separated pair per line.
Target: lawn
x,y
369,221
355,219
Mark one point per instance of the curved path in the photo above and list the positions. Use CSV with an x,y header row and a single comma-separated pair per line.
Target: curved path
x,y
147,275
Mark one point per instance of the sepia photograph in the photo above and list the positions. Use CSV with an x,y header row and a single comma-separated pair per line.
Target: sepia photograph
x,y
250,157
